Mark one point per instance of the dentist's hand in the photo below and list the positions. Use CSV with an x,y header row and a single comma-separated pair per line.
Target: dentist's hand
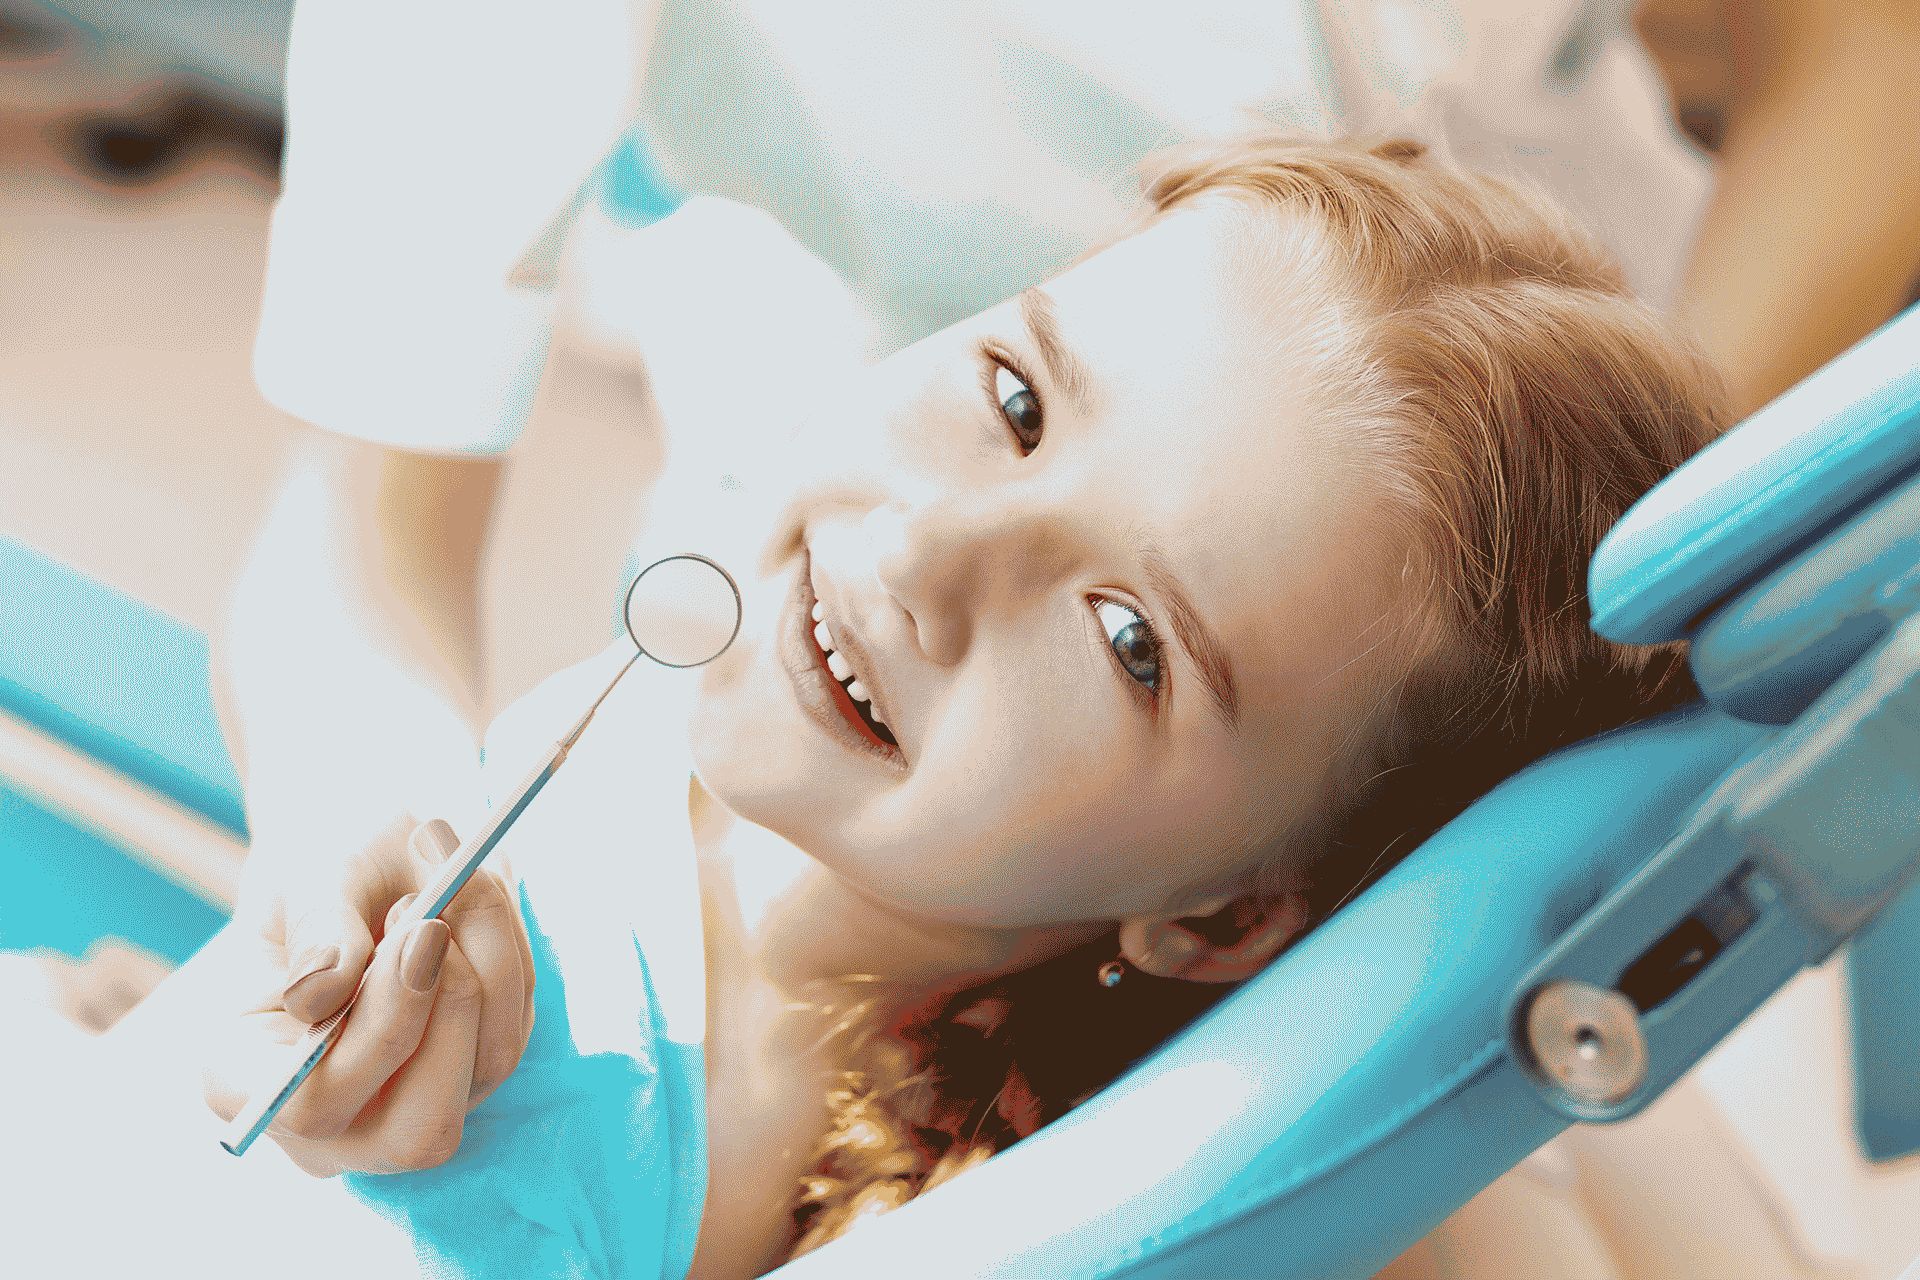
x,y
442,1020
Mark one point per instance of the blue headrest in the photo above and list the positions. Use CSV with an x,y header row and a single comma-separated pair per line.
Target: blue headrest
x,y
1788,548
1758,494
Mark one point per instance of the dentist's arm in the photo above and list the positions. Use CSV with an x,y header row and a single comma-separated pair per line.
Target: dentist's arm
x,y
433,147
431,144
1812,238
348,671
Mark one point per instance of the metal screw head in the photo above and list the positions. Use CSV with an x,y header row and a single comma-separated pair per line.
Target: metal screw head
x,y
1587,1040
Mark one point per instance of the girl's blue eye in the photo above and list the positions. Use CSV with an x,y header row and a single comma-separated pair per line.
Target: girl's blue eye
x,y
1019,406
1134,643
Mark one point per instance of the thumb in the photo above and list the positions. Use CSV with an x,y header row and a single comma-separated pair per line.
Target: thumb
x,y
328,947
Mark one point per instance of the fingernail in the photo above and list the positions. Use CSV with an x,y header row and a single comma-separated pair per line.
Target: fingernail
x,y
394,912
313,961
420,959
435,841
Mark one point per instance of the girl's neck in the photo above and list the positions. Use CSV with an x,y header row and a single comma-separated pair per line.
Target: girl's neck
x,y
766,1086
781,931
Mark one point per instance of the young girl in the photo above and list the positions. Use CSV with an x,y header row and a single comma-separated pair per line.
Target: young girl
x,y
1448,397
1095,648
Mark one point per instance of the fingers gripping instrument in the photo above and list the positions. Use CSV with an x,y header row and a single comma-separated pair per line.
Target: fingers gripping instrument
x,y
682,611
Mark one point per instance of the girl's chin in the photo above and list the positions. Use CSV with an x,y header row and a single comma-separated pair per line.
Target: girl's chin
x,y
739,764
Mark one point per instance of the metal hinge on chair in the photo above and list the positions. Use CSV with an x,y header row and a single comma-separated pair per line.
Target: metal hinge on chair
x,y
1796,851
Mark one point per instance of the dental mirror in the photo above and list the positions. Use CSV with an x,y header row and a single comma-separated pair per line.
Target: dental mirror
x,y
683,611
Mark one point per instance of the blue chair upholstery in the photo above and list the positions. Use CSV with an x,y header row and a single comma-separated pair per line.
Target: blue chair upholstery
x,y
103,673
1336,1108
1763,491
114,677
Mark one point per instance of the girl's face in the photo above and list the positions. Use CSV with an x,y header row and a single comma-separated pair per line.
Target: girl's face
x,y
1103,574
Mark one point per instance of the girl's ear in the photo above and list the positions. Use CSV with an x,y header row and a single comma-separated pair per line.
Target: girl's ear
x,y
1251,936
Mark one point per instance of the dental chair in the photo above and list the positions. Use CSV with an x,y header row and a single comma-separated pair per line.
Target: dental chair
x,y
1558,954
1567,947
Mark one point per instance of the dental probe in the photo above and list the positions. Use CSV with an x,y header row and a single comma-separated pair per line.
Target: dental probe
x,y
707,628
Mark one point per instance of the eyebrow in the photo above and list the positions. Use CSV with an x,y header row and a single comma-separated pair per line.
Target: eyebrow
x,y
1064,366
1203,646
1199,640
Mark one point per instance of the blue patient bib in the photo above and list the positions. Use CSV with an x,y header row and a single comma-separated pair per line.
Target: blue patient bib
x,y
591,1159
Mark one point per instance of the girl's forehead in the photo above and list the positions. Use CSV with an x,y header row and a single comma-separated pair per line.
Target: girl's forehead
x,y
1223,258
1211,379
1180,267
1206,312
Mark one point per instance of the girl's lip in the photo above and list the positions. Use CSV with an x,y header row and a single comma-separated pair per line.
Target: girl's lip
x,y
822,697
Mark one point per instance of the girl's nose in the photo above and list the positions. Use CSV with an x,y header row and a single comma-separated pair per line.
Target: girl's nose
x,y
953,561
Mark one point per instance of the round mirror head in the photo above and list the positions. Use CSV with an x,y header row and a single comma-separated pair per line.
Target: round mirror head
x,y
683,611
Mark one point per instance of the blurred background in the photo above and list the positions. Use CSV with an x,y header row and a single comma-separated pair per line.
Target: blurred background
x,y
139,148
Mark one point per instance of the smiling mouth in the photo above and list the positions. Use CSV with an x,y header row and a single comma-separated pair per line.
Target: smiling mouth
x,y
822,694
862,716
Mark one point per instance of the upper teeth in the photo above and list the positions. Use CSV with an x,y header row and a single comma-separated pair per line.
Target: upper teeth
x,y
841,669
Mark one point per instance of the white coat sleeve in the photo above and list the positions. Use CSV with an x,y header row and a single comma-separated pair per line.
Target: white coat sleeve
x,y
430,144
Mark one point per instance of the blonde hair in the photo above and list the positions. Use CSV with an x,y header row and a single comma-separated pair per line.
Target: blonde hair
x,y
1518,399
